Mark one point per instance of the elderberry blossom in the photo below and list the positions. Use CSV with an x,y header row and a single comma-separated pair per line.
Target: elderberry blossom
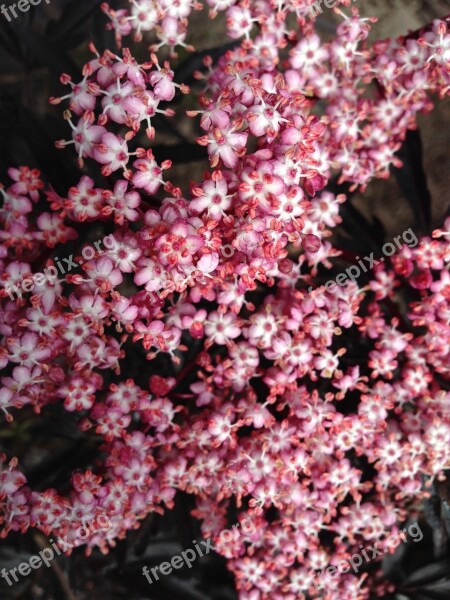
x,y
288,392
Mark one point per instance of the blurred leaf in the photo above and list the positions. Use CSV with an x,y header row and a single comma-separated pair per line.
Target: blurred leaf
x,y
413,181
10,39
66,31
184,73
364,236
175,587
180,153
439,591
49,55
428,574
156,552
10,557
183,589
52,162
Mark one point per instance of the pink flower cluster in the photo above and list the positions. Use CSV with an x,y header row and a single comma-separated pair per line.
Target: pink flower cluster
x,y
371,94
169,19
290,397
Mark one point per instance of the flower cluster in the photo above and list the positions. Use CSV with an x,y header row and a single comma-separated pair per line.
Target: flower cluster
x,y
371,94
169,19
287,398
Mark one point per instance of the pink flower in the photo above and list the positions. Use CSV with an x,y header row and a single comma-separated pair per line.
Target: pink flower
x,y
27,350
308,54
208,262
113,103
86,136
102,273
27,182
179,246
227,145
163,86
124,311
213,198
148,175
10,479
84,200
112,152
221,328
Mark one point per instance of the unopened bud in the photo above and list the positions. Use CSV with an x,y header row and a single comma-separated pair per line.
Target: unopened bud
x,y
311,243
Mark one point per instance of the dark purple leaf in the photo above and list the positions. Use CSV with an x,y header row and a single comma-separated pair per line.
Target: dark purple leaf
x,y
412,179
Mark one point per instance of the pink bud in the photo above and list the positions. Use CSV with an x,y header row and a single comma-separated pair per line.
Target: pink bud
x,y
421,281
197,330
311,243
208,262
